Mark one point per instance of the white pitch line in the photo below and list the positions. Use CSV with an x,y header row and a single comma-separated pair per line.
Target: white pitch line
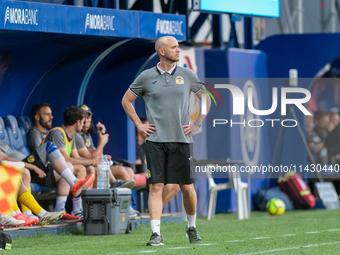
x,y
146,251
202,244
290,248
232,241
260,238
333,229
176,248
311,232
289,235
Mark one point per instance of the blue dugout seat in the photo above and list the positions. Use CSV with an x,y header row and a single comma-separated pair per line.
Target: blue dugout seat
x,y
15,137
3,133
25,126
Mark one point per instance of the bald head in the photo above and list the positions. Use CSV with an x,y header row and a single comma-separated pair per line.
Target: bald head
x,y
163,41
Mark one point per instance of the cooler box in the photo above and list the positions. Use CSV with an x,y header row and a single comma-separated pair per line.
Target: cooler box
x,y
106,211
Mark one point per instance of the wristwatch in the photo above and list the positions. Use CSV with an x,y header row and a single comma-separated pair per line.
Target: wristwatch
x,y
197,123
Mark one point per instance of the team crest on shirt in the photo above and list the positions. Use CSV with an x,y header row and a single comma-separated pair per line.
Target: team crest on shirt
x,y
179,80
149,173
31,159
87,143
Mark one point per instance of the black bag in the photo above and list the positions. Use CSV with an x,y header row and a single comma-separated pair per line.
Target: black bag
x,y
5,240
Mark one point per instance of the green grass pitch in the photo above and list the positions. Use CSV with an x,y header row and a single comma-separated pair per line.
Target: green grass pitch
x,y
294,232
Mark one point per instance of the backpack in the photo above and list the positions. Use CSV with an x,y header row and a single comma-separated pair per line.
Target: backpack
x,y
5,240
294,186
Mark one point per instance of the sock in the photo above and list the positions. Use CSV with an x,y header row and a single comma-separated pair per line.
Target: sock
x,y
77,205
41,213
23,207
69,177
28,200
156,226
15,207
28,214
60,203
191,220
13,214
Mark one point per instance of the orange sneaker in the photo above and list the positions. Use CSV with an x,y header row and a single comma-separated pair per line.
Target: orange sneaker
x,y
28,221
83,184
68,218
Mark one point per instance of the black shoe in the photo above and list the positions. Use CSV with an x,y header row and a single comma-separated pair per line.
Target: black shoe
x,y
193,236
123,184
155,240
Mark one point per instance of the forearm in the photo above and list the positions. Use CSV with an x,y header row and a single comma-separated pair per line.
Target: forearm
x,y
79,161
206,106
98,151
27,165
131,112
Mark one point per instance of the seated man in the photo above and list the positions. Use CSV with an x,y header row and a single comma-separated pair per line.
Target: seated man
x,y
43,217
43,160
86,148
170,190
41,115
38,162
63,138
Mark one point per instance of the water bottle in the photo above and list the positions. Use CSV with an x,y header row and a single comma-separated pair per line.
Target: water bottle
x,y
101,174
107,172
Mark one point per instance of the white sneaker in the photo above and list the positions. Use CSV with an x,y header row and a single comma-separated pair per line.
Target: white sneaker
x,y
133,212
50,217
9,221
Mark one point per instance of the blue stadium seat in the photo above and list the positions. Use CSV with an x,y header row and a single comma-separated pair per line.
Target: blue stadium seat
x,y
25,126
3,133
15,136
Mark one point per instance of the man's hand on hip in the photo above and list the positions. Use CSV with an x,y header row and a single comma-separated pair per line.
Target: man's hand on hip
x,y
190,129
147,128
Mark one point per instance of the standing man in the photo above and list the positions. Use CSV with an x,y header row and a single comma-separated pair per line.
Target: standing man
x,y
166,91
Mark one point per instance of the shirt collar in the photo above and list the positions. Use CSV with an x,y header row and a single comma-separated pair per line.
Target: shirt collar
x,y
67,133
171,71
37,129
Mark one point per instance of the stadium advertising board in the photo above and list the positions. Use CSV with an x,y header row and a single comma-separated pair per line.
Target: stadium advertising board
x,y
30,16
266,8
160,24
